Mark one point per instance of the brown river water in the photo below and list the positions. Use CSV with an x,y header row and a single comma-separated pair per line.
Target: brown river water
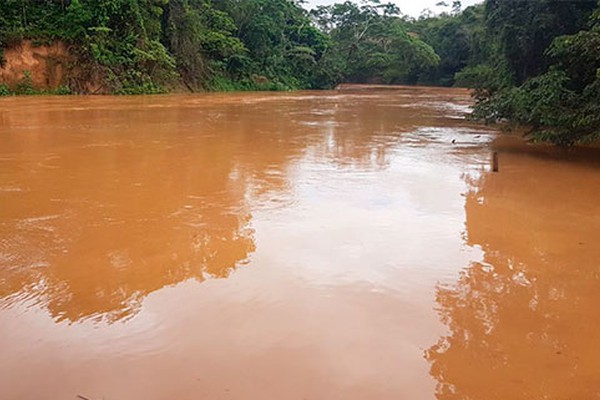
x,y
314,245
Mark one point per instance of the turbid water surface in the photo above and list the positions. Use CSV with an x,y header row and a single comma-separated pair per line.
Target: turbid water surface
x,y
315,245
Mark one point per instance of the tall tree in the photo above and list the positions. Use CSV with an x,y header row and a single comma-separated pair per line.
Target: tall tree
x,y
371,43
525,29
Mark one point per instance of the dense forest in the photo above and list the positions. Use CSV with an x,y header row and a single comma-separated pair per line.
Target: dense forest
x,y
531,63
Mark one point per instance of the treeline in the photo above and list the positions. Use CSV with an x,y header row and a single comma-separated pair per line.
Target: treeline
x,y
145,46
533,63
544,69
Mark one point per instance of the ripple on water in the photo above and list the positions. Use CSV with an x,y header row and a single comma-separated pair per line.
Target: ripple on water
x,y
182,246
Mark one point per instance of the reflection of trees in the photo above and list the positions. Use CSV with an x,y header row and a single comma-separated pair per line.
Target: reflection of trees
x,y
122,223
364,128
363,137
524,322
144,198
117,216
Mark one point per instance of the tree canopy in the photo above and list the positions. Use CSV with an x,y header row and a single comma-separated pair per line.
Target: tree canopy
x,y
146,45
546,71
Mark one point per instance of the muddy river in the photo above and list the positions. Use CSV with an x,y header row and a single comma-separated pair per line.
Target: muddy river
x,y
315,245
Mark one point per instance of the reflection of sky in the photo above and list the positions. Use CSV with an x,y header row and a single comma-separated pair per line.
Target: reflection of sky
x,y
390,209
408,7
385,228
397,229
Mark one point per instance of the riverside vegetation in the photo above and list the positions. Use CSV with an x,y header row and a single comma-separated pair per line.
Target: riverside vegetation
x,y
534,63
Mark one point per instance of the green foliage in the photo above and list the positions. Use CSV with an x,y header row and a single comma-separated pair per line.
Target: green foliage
x,y
478,77
224,84
25,86
371,43
281,42
119,35
523,30
459,40
533,63
147,46
202,40
562,103
62,91
4,90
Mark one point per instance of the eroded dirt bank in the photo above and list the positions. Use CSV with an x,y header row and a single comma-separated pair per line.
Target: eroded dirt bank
x,y
49,66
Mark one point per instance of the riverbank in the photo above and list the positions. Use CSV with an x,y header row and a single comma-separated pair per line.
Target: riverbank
x,y
30,67
58,68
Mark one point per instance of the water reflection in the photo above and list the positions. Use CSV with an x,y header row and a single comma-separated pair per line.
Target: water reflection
x,y
104,204
92,240
523,321
333,216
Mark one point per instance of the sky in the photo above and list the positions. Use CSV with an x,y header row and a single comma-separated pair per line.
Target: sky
x,y
408,7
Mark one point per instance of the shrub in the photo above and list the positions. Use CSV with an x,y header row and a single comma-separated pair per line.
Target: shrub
x,y
25,85
4,90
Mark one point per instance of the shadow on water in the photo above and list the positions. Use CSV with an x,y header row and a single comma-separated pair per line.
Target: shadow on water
x,y
524,318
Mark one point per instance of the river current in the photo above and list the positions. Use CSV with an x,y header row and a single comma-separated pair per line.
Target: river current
x,y
346,245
